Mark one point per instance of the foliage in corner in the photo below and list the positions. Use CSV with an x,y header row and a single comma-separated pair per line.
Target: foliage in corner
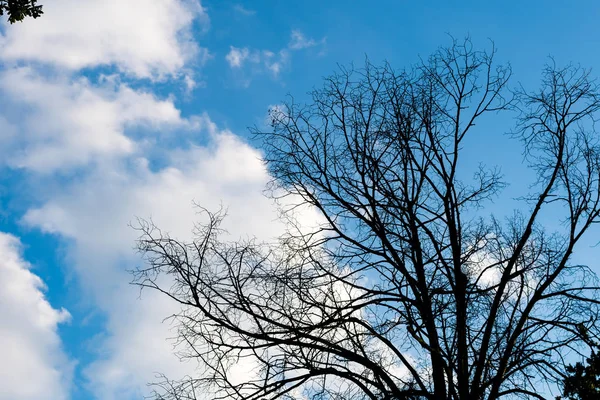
x,y
583,380
17,10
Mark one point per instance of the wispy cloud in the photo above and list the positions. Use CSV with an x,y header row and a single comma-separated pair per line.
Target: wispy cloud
x,y
268,60
237,56
240,9
298,41
262,59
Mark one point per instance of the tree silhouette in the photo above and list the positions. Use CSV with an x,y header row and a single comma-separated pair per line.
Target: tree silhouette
x,y
583,381
407,289
18,10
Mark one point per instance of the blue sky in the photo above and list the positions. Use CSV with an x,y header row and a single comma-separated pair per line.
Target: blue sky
x,y
112,109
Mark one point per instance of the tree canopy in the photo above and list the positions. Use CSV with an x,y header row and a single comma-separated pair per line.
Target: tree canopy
x,y
583,379
18,10
583,382
408,288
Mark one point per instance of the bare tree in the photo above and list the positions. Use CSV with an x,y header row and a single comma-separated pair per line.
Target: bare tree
x,y
407,289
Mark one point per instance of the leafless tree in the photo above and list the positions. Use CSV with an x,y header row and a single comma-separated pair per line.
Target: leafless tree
x,y
408,289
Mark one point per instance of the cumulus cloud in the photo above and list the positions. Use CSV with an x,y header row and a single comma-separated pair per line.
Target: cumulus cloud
x,y
136,346
72,122
147,39
101,131
93,214
33,365
54,119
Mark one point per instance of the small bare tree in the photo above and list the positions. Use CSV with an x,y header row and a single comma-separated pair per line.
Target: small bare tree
x,y
407,290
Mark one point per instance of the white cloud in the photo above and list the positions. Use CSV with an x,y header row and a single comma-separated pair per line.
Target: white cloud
x,y
94,215
63,122
190,83
275,62
71,122
298,41
237,56
261,60
146,39
136,347
243,10
267,60
32,365
226,170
